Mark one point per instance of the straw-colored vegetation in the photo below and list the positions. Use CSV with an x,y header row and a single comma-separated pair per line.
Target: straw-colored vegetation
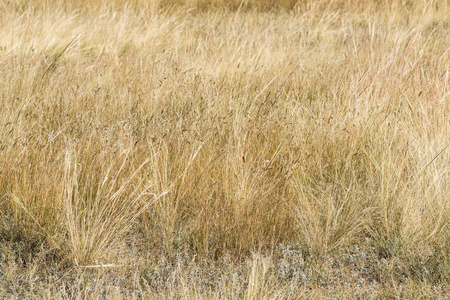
x,y
224,149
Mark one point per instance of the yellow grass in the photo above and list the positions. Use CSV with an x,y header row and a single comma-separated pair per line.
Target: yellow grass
x,y
224,149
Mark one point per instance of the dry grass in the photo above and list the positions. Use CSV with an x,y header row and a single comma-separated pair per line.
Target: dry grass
x,y
224,149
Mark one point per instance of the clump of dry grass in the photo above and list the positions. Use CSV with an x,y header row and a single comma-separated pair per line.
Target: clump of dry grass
x,y
147,134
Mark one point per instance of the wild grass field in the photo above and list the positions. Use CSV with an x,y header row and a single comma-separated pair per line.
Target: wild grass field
x,y
198,149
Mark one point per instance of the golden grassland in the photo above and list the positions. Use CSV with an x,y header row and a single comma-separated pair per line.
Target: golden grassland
x,y
224,149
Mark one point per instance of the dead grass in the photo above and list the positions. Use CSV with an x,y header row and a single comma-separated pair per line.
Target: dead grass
x,y
181,148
